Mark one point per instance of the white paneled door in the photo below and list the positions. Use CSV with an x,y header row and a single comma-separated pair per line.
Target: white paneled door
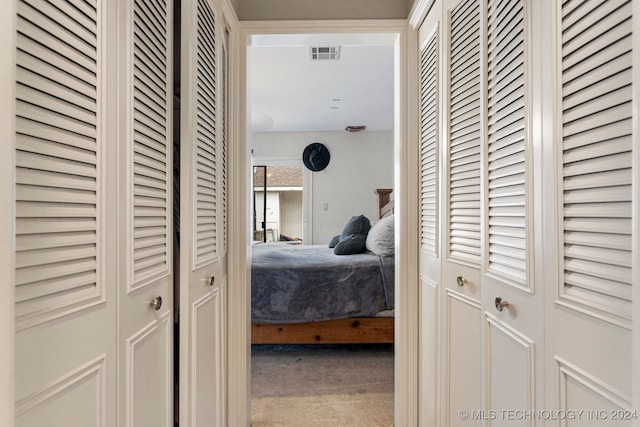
x,y
145,220
512,300
65,298
589,359
94,213
429,135
203,218
461,243
529,114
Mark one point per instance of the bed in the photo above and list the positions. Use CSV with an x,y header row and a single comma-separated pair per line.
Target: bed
x,y
306,294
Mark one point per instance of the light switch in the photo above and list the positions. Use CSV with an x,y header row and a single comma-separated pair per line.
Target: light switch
x,y
325,206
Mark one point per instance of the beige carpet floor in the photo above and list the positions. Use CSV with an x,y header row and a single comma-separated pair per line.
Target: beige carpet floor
x,y
308,386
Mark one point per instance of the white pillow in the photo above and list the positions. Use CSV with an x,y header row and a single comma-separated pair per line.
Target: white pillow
x,y
380,239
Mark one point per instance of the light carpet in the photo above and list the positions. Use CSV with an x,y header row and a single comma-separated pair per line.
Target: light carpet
x,y
322,385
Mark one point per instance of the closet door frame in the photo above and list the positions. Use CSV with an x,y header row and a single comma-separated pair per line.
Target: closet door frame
x,y
7,185
406,182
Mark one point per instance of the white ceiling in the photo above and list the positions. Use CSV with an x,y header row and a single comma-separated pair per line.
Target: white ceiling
x,y
289,92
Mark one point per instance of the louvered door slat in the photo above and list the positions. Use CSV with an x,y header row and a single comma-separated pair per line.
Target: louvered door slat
x,y
43,282
590,13
148,63
151,174
42,162
44,71
153,14
146,70
597,161
464,134
206,200
608,58
79,283
56,158
53,142
506,160
59,26
68,20
606,179
500,12
581,48
612,85
154,43
66,48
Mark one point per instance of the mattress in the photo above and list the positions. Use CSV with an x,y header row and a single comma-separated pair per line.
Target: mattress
x,y
303,283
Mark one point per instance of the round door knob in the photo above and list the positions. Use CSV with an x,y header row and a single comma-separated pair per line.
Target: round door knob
x,y
460,280
156,303
501,304
209,281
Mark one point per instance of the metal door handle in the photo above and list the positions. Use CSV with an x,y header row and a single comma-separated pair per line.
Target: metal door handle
x,y
209,280
501,304
461,280
156,303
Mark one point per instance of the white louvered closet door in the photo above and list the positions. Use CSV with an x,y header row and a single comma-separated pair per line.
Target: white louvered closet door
x,y
203,215
65,295
429,133
513,334
145,206
460,210
592,296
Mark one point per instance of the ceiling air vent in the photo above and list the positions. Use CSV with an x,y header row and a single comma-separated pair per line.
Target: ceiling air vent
x,y
322,53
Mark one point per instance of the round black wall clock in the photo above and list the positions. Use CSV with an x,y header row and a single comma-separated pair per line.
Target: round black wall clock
x,y
316,156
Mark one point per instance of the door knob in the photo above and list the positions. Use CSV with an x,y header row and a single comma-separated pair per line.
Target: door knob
x,y
460,280
209,280
501,304
156,303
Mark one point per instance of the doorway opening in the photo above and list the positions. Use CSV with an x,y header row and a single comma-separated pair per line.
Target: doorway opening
x,y
345,101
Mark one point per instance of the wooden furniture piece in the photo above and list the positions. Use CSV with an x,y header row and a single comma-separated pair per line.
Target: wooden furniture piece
x,y
357,330
385,201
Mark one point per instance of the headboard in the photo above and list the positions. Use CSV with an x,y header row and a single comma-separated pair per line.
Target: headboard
x,y
385,201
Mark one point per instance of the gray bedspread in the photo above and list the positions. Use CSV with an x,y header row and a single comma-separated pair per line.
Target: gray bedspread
x,y
291,283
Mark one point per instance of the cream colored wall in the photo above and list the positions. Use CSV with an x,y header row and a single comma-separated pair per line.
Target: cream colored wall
x,y
360,163
264,10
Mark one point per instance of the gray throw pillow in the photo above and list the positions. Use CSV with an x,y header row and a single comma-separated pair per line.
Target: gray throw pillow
x,y
351,244
354,236
356,225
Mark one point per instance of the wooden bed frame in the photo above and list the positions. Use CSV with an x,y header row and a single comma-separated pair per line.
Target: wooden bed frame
x,y
356,330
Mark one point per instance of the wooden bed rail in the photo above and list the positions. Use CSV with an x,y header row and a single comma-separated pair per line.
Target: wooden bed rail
x,y
360,330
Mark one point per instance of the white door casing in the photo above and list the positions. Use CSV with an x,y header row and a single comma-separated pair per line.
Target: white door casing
x,y
203,221
407,204
145,205
7,185
65,239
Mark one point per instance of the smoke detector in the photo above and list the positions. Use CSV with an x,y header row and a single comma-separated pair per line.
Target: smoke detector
x,y
318,53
